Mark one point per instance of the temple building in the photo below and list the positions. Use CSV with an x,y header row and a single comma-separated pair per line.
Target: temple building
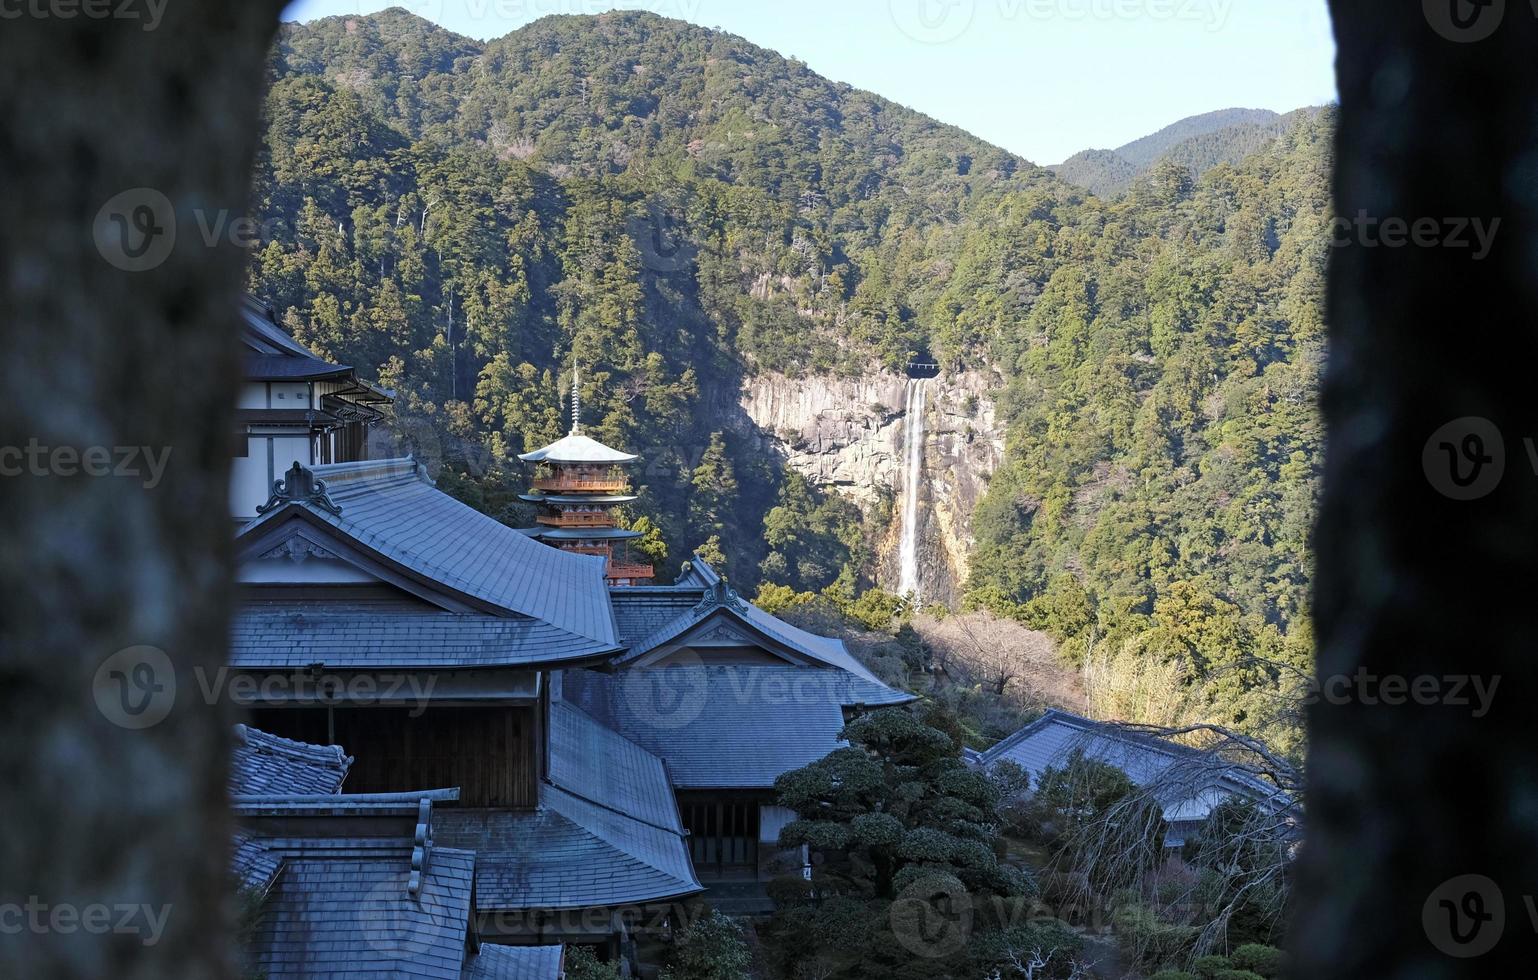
x,y
578,482
293,406
533,758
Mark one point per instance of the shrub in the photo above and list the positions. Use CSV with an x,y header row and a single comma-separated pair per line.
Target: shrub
x,y
1208,967
1236,975
582,964
1264,960
1173,975
711,949
790,890
1149,940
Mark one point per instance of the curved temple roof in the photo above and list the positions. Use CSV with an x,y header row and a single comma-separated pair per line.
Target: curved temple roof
x,y
392,508
577,448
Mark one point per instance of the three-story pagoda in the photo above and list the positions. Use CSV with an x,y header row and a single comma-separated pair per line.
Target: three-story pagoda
x,y
578,482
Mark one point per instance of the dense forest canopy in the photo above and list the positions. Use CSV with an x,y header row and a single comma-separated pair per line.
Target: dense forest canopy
x,y
676,209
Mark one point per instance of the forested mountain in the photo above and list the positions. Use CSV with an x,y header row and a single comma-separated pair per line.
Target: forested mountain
x,y
1144,151
1197,142
679,209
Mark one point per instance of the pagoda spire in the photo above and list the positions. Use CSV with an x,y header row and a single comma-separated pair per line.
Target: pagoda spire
x,y
576,399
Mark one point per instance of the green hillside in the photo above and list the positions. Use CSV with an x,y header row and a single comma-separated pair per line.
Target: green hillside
x,y
682,209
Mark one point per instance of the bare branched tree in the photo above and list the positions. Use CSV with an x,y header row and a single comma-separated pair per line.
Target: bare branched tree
x,y
1240,860
997,654
1034,964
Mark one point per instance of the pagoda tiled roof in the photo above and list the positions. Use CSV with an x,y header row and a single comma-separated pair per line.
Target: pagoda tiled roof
x,y
576,448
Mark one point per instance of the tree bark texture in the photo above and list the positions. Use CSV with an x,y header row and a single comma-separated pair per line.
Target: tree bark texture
x,y
1423,815
127,127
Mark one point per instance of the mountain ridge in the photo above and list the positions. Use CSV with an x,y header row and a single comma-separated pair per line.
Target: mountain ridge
x,y
1198,142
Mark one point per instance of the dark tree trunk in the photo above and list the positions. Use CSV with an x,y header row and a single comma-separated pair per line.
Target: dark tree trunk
x,y
103,345
1434,123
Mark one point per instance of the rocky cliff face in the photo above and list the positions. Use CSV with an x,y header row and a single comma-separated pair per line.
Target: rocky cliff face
x,y
847,435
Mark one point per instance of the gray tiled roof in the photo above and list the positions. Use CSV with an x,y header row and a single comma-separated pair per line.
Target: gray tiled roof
x,y
278,635
820,649
649,605
496,962
255,867
598,764
607,831
391,508
567,854
260,333
269,765
1186,792
642,610
722,726
341,908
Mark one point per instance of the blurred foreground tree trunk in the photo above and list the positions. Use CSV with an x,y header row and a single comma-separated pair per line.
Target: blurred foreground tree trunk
x,y
1423,839
129,128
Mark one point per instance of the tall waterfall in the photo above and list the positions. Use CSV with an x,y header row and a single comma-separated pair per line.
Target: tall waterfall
x,y
913,463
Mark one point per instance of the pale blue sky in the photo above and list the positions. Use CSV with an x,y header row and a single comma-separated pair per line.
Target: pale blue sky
x,y
1044,78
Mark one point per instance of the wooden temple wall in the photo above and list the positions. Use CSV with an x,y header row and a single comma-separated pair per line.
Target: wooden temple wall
x,y
492,754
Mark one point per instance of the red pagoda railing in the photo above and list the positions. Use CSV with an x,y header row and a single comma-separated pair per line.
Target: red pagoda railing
x,y
627,570
559,484
576,520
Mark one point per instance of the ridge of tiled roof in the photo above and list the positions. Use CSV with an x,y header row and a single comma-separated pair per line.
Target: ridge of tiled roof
x,y
266,764
719,599
697,573
254,866
391,507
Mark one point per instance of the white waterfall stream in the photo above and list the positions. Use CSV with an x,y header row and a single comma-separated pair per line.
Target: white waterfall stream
x,y
913,465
